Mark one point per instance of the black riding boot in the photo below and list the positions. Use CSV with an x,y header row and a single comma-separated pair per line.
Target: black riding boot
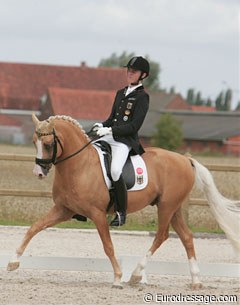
x,y
79,217
120,192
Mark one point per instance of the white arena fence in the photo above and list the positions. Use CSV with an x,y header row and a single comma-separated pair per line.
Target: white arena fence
x,y
128,263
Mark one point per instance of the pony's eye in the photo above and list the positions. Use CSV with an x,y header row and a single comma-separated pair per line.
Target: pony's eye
x,y
48,147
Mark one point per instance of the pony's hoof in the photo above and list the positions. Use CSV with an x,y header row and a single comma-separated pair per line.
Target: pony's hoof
x,y
13,266
118,286
197,286
135,279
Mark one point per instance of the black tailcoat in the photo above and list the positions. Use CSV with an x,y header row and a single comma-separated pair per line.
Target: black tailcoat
x,y
127,116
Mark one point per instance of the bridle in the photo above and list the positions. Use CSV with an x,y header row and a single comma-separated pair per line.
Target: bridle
x,y
47,163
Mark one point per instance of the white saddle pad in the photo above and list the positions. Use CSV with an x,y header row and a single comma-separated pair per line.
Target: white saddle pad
x,y
140,170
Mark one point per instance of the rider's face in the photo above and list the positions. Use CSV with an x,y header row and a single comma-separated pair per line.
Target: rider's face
x,y
133,76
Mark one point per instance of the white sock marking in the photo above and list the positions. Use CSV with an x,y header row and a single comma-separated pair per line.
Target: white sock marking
x,y
194,270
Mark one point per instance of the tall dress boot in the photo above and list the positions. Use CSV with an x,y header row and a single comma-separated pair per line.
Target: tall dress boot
x,y
120,192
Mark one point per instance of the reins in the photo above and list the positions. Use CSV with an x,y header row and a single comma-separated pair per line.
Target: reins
x,y
74,154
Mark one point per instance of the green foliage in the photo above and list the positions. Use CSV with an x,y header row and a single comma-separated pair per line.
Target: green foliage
x,y
228,100
219,101
151,226
190,97
169,133
152,82
209,102
199,101
115,60
196,99
223,100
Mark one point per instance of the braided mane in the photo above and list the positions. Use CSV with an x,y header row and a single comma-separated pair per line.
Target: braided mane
x,y
70,120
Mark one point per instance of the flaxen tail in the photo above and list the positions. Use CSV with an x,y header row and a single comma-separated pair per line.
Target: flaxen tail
x,y
226,212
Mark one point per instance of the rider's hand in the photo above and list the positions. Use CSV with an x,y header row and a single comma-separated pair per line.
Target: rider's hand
x,y
103,131
96,126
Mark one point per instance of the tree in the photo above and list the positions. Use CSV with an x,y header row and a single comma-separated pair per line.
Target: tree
x,y
198,101
228,100
224,100
209,102
219,101
115,60
172,90
168,134
152,82
190,96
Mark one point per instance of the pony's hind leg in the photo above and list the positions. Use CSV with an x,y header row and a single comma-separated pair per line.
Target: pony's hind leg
x,y
186,237
161,235
56,215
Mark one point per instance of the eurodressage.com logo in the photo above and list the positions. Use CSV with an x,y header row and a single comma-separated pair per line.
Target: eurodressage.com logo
x,y
181,298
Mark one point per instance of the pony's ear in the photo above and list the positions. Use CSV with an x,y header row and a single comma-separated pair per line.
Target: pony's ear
x,y
35,119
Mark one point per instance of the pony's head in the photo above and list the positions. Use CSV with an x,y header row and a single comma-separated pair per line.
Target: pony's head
x,y
46,143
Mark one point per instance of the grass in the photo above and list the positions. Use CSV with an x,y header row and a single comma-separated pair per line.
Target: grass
x,y
132,226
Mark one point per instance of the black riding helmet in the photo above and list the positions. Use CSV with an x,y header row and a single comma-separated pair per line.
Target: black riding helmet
x,y
139,63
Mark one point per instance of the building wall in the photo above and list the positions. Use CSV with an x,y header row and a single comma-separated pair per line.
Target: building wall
x,y
204,146
12,134
232,146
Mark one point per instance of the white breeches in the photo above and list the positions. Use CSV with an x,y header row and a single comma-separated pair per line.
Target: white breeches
x,y
120,153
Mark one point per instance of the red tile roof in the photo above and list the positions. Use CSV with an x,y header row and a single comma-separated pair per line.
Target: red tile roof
x,y
81,104
164,100
178,102
22,85
203,108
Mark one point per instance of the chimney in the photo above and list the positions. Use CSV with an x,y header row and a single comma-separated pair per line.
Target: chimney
x,y
83,65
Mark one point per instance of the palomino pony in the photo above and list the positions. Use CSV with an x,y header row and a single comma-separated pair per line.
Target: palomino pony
x,y
79,188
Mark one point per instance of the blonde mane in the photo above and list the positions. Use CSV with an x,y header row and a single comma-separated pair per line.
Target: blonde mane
x,y
70,120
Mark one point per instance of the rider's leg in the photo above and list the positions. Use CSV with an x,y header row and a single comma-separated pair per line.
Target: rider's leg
x,y
120,153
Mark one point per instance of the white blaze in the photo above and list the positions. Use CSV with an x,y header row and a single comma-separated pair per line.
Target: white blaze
x,y
37,170
39,149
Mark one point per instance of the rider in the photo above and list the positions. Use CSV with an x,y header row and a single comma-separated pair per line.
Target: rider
x,y
120,130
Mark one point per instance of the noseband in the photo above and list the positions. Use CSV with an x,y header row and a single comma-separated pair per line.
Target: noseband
x,y
47,163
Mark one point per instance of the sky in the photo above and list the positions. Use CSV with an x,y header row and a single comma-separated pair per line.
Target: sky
x,y
195,42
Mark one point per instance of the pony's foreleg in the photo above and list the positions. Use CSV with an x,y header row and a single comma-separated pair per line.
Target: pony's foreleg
x,y
56,215
186,237
103,230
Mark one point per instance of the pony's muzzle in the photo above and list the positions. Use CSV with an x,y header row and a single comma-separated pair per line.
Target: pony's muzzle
x,y
39,172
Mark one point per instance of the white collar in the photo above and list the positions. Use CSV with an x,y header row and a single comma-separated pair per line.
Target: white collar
x,y
131,88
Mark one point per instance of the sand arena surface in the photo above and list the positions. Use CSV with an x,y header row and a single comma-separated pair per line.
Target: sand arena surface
x,y
73,287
